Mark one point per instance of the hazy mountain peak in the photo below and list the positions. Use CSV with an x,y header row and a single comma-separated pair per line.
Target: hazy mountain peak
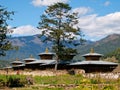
x,y
111,37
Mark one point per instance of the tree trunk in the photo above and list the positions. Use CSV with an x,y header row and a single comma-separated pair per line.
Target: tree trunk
x,y
56,63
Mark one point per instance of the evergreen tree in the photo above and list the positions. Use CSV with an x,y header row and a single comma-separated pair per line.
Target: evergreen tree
x,y
58,25
4,42
115,53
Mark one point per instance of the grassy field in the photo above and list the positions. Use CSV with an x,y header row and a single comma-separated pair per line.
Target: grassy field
x,y
61,82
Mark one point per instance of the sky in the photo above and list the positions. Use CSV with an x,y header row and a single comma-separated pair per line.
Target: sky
x,y
97,18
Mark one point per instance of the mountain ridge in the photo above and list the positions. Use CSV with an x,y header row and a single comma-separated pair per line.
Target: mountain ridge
x,y
105,45
33,45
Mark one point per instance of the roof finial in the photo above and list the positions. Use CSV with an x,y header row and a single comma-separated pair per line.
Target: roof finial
x,y
17,59
92,50
46,50
31,56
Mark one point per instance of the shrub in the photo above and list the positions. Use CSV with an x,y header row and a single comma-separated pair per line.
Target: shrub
x,y
108,88
3,80
71,72
16,81
12,80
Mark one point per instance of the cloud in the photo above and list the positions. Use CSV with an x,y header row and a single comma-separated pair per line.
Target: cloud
x,y
107,3
46,2
96,27
93,26
82,10
26,30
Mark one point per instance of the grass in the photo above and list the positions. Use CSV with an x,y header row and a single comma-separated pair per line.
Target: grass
x,y
62,82
63,79
79,87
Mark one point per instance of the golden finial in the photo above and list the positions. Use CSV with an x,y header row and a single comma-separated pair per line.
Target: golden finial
x,y
17,59
46,50
92,50
31,56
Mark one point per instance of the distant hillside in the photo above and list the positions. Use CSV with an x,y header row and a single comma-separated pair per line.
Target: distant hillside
x,y
103,46
28,45
33,45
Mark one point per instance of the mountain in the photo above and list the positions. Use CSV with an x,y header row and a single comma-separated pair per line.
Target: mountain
x,y
27,45
33,45
103,46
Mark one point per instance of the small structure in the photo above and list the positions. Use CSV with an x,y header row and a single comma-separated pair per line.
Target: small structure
x,y
92,56
17,64
46,55
46,61
30,59
93,63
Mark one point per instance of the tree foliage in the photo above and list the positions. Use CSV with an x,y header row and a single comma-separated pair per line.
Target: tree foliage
x,y
115,53
4,42
58,25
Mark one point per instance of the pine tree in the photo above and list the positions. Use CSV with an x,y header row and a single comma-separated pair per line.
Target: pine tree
x,y
58,25
4,42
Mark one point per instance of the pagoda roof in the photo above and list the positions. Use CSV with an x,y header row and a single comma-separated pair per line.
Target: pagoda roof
x,y
92,54
17,62
100,62
47,52
18,65
8,67
42,62
29,59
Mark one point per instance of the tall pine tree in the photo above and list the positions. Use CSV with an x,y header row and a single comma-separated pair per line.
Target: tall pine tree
x,y
4,42
58,25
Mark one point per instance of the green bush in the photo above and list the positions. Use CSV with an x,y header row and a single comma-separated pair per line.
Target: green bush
x,y
15,82
3,80
109,88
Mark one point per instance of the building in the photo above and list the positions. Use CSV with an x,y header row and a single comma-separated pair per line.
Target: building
x,y
46,61
92,63
30,59
17,64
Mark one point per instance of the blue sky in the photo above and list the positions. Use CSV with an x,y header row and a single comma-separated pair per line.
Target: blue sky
x,y
98,18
